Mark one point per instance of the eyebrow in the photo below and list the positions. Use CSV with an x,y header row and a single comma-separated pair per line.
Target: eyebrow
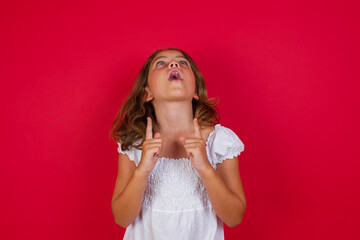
x,y
167,57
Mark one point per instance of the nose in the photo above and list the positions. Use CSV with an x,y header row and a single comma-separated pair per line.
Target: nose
x,y
173,64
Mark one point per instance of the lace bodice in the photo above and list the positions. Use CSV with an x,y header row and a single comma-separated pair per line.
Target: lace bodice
x,y
174,185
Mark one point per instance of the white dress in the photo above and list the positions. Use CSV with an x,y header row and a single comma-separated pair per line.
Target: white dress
x,y
175,203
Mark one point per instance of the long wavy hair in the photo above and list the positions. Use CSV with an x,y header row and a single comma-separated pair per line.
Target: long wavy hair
x,y
130,122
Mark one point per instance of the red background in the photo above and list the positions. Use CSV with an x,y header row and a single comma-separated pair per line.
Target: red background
x,y
286,73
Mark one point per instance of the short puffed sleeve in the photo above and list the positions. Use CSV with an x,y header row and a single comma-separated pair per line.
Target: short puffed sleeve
x,y
133,153
223,144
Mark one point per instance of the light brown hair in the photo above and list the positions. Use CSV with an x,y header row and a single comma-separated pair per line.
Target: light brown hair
x,y
130,122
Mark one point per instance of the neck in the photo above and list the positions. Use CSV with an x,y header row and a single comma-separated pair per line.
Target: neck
x,y
174,117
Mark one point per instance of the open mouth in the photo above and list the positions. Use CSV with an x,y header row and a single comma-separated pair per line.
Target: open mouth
x,y
175,74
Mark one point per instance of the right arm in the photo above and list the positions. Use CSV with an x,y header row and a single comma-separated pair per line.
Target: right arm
x,y
131,180
128,193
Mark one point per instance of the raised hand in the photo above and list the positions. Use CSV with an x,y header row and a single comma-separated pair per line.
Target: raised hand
x,y
195,148
151,149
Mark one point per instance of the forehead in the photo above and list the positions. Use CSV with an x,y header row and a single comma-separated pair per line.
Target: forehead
x,y
169,54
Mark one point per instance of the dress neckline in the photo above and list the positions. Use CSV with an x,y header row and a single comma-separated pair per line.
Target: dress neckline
x,y
207,141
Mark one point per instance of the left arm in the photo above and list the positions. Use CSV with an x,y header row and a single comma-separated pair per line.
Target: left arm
x,y
225,191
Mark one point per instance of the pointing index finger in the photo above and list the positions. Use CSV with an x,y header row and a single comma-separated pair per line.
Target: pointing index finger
x,y
148,129
197,128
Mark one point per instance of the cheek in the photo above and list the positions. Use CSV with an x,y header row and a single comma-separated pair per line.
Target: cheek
x,y
190,75
154,82
151,79
193,80
154,76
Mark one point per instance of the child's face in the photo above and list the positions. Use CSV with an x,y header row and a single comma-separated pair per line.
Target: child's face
x,y
160,87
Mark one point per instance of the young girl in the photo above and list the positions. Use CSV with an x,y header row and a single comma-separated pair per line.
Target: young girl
x,y
173,182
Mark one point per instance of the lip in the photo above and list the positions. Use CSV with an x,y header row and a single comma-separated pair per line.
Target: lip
x,y
175,70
